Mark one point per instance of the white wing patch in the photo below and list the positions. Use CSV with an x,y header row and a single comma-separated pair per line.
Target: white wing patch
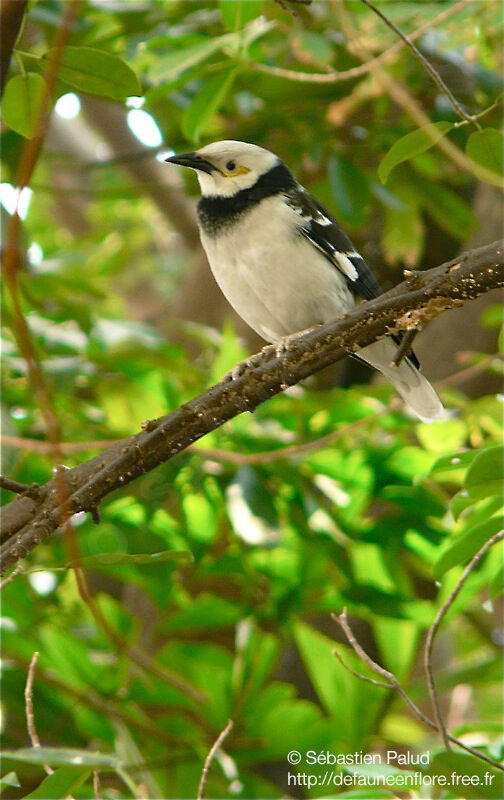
x,y
346,265
325,234
321,219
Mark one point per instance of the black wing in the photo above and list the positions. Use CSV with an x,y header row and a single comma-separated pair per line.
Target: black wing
x,y
324,233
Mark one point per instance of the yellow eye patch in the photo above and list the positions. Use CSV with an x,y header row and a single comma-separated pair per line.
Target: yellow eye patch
x,y
232,173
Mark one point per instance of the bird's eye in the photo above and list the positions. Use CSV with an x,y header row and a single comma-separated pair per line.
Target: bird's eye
x,y
230,166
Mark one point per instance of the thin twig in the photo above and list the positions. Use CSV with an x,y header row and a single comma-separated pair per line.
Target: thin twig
x,y
285,7
435,626
136,654
96,785
400,95
30,718
359,674
13,486
11,258
362,69
15,572
219,454
267,456
211,755
343,622
89,698
436,77
469,372
404,348
216,453
19,488
38,446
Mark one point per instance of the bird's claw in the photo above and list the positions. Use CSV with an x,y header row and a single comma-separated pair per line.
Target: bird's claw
x,y
236,372
277,349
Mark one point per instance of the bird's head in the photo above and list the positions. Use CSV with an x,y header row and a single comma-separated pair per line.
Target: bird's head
x,y
225,168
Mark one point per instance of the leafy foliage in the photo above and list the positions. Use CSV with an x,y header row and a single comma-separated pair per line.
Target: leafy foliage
x,y
222,567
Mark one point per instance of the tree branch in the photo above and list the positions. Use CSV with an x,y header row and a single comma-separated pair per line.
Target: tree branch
x,y
400,95
394,683
420,298
362,69
211,755
436,77
435,626
30,716
11,19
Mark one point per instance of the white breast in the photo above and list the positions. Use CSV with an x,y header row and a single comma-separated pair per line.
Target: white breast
x,y
276,280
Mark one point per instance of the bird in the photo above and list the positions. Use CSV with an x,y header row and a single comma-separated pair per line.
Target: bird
x,y
283,262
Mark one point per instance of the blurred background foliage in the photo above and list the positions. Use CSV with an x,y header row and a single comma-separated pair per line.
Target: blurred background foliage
x,y
255,547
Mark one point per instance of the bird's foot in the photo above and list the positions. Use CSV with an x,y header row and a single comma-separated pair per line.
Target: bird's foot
x,y
251,362
283,344
277,349
236,372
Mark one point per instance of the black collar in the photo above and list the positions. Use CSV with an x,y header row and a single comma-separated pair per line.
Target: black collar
x,y
216,212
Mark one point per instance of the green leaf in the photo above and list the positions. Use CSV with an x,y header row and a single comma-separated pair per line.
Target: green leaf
x,y
198,116
61,783
442,435
487,503
353,703
483,491
350,189
96,72
69,656
21,103
492,316
231,352
398,643
410,462
237,13
467,545
169,66
497,583
453,462
486,149
404,230
412,145
149,559
200,515
487,467
312,48
453,214
11,779
206,611
65,756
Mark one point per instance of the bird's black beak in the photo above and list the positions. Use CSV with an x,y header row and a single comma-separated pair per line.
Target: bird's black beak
x,y
192,160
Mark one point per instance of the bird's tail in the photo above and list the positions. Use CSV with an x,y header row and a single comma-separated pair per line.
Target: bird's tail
x,y
407,379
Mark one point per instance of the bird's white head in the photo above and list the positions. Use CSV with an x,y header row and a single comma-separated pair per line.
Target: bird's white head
x,y
225,168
